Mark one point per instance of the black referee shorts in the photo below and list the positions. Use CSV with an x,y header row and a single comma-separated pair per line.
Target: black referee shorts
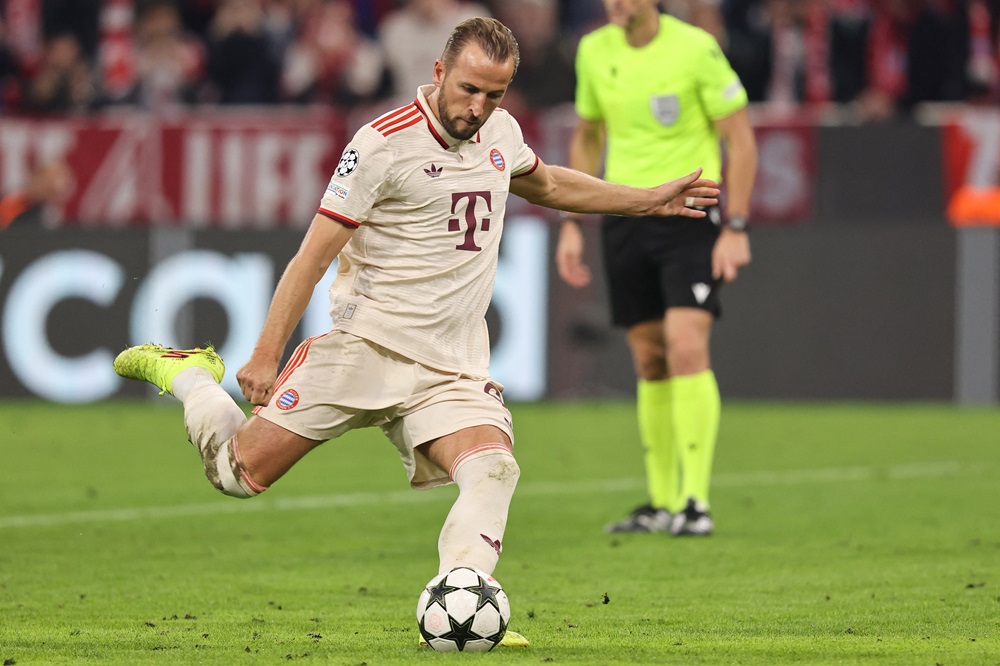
x,y
656,263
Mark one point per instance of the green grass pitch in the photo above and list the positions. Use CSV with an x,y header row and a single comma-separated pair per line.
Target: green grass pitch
x,y
846,534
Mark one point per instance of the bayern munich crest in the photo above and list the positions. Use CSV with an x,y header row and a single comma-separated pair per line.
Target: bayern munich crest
x,y
348,162
288,399
497,160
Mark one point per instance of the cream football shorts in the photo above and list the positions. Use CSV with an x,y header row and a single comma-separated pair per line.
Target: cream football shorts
x,y
338,382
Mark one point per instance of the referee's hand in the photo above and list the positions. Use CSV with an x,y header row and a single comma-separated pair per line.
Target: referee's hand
x,y
569,256
730,254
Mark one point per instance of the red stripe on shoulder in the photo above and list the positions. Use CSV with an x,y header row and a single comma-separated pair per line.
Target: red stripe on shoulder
x,y
382,122
336,217
399,123
525,173
410,123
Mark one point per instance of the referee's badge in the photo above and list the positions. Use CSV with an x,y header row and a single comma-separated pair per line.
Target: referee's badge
x,y
665,109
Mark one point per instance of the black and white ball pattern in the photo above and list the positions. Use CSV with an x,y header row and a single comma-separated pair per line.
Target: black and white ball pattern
x,y
464,610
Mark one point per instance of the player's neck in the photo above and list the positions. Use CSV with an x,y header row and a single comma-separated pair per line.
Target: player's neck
x,y
643,28
432,103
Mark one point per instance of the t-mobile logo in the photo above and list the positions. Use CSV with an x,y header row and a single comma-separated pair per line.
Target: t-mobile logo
x,y
471,221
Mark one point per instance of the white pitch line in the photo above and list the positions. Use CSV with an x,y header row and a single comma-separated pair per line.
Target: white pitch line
x,y
541,488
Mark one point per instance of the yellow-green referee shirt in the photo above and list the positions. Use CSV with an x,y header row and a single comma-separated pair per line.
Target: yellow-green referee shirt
x,y
658,102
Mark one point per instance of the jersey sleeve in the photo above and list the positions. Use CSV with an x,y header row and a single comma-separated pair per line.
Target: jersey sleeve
x,y
721,90
587,105
363,171
525,159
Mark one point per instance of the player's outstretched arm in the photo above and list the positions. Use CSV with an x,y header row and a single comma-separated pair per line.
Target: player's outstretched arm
x,y
570,190
322,243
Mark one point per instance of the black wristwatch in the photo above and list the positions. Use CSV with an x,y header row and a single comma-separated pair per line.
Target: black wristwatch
x,y
738,223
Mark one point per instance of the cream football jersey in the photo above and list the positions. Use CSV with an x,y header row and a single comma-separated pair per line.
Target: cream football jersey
x,y
417,275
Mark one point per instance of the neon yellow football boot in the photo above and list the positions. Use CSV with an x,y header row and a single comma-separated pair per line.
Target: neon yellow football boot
x,y
158,365
510,639
513,639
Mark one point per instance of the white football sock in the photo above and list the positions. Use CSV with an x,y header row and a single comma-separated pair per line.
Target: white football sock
x,y
211,416
473,532
212,419
188,379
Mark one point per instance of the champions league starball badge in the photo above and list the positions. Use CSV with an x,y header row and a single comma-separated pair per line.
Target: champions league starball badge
x,y
348,162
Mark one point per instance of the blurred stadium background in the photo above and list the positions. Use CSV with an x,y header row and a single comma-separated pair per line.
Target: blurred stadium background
x,y
159,160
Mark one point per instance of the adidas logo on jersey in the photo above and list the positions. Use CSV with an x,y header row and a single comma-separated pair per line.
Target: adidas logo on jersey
x,y
434,171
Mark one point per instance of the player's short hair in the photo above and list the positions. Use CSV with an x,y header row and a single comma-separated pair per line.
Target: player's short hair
x,y
493,37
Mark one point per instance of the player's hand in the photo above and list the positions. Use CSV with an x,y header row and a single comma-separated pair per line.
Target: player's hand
x,y
730,254
256,379
683,196
569,256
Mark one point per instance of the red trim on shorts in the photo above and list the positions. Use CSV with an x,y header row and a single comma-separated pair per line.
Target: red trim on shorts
x,y
336,217
473,452
531,170
253,485
297,359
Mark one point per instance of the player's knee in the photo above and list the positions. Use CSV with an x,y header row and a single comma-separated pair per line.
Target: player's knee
x,y
502,470
491,464
650,361
651,368
225,470
688,359
505,469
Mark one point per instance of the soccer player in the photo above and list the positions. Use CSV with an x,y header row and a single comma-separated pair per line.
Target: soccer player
x,y
414,210
659,94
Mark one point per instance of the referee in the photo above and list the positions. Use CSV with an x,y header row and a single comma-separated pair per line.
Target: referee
x,y
661,98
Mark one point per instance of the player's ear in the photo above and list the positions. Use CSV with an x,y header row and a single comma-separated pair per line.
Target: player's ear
x,y
438,72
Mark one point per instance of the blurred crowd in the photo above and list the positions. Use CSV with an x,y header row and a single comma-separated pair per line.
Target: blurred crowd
x,y
73,56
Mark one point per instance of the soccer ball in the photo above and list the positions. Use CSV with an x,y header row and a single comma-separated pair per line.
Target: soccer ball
x,y
464,610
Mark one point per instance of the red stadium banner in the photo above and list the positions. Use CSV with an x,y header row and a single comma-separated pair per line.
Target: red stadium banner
x,y
971,148
786,170
239,169
231,169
